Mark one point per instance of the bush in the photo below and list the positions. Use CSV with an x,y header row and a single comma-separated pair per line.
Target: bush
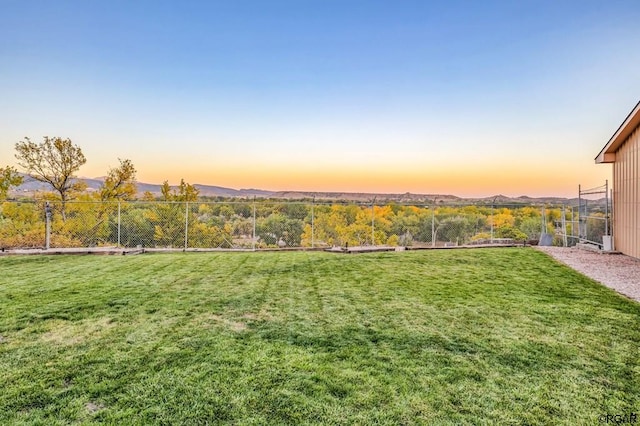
x,y
510,232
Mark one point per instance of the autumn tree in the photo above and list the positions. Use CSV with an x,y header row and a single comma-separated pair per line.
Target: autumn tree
x,y
169,218
277,229
455,229
21,225
54,161
183,192
8,177
120,183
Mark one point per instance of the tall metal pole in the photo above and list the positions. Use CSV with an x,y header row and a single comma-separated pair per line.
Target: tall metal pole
x,y
579,212
585,222
606,207
573,225
612,226
564,225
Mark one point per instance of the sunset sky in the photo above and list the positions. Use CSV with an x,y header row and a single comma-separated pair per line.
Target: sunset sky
x,y
470,98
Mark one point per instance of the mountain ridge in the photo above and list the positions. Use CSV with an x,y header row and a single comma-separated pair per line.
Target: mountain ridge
x,y
32,186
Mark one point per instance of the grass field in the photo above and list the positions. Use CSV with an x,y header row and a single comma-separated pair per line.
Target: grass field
x,y
486,336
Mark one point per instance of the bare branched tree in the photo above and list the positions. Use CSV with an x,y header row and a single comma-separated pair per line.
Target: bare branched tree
x,y
54,161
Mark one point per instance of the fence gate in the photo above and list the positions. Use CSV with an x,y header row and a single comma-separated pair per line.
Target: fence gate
x,y
594,216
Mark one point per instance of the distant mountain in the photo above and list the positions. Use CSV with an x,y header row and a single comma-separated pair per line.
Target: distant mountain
x,y
30,186
366,196
219,191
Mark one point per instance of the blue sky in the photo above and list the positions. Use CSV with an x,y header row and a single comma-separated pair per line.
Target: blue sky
x,y
462,97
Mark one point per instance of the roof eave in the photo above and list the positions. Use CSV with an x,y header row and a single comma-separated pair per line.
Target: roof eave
x,y
606,157
608,153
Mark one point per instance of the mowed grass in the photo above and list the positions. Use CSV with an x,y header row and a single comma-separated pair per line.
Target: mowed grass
x,y
486,336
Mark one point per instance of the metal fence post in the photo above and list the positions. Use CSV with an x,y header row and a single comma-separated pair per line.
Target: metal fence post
x,y
493,218
313,202
118,223
253,240
186,224
373,217
580,233
47,213
433,226
573,226
606,207
611,217
564,226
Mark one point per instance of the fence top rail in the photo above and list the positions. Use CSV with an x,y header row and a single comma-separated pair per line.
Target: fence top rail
x,y
602,189
593,191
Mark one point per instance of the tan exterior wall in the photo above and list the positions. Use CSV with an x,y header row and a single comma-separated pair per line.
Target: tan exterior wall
x,y
626,196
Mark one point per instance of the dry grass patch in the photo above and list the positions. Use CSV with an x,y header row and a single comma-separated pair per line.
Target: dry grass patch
x,y
220,321
69,333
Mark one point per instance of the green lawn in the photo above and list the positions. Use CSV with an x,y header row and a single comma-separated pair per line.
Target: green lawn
x,y
485,336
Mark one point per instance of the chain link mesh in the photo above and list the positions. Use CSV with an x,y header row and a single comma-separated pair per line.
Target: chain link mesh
x,y
592,216
268,224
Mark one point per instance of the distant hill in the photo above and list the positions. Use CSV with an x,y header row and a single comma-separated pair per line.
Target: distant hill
x,y
31,186
365,196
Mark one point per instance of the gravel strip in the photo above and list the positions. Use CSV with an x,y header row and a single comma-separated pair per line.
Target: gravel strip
x,y
616,271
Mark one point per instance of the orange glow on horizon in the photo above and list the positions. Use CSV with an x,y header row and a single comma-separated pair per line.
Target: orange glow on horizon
x,y
482,181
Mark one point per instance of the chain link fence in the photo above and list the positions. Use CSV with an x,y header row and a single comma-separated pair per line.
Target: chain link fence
x,y
594,221
264,224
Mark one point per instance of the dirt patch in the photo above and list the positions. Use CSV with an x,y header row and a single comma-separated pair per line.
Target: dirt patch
x,y
92,407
